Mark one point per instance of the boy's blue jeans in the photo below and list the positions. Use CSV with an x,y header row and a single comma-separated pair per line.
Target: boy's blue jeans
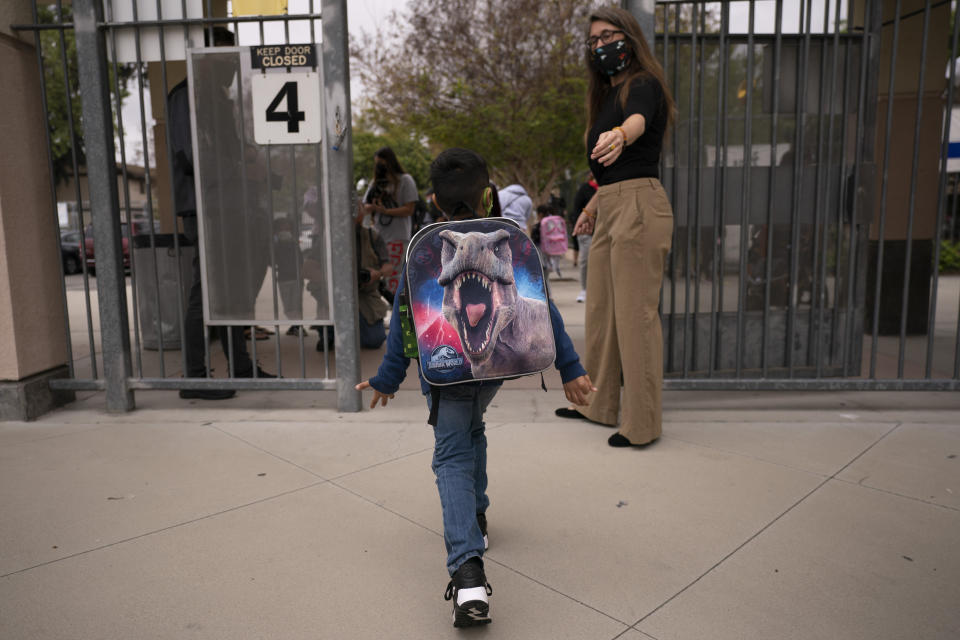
x,y
460,465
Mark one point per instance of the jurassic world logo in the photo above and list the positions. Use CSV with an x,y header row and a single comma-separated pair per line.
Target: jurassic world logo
x,y
444,357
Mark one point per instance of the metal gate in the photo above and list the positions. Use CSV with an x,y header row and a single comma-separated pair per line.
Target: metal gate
x,y
109,66
786,270
805,256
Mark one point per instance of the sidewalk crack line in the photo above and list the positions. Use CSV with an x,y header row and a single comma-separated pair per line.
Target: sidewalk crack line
x,y
163,529
766,526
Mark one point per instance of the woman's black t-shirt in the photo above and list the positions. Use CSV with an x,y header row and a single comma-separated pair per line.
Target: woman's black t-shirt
x,y
642,158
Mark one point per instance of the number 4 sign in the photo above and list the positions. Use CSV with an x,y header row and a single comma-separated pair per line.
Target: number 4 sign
x,y
286,108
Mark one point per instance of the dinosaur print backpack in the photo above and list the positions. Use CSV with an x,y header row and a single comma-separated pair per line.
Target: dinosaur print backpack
x,y
478,301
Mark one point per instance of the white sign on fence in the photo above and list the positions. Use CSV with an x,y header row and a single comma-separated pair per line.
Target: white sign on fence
x,y
286,108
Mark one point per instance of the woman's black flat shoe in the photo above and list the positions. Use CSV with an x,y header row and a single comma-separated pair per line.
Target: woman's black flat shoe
x,y
566,412
617,440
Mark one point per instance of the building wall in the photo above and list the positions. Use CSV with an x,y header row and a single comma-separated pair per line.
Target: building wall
x,y
67,192
32,335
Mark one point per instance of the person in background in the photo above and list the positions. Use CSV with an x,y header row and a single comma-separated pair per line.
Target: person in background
x,y
516,205
584,194
232,339
373,267
287,261
391,199
629,110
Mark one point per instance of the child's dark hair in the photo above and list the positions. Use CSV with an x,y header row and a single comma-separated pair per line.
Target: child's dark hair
x,y
459,177
545,210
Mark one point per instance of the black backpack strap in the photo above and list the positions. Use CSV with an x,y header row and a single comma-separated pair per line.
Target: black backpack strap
x,y
434,406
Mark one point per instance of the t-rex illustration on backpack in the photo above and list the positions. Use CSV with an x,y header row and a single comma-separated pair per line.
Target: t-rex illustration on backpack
x,y
481,302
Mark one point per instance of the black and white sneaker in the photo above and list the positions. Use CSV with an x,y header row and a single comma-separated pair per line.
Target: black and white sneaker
x,y
469,590
482,521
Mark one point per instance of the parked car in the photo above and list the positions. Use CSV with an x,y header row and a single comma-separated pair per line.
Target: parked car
x,y
139,226
70,252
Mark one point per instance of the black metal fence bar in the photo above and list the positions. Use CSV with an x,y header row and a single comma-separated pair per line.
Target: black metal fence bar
x,y
771,189
693,154
119,130
915,170
675,177
157,324
863,183
824,111
811,384
793,296
716,262
842,212
173,196
747,191
885,173
695,223
251,384
822,206
941,196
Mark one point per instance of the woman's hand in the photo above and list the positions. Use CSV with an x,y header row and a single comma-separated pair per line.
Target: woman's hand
x,y
585,225
577,390
609,147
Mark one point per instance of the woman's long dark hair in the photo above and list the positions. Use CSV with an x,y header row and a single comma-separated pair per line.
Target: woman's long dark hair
x,y
394,170
643,64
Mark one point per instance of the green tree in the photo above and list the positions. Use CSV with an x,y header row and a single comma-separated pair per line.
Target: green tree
x,y
503,77
59,55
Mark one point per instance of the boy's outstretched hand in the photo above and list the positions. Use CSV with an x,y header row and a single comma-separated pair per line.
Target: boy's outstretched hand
x,y
382,397
577,389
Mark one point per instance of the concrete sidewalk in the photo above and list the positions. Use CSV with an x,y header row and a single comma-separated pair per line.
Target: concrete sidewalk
x,y
832,516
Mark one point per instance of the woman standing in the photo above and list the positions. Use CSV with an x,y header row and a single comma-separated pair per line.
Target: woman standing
x,y
391,200
629,109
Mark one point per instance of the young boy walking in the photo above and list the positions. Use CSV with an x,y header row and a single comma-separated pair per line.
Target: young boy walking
x,y
461,191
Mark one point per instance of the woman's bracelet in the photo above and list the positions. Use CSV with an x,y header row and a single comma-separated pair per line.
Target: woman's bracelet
x,y
592,216
622,133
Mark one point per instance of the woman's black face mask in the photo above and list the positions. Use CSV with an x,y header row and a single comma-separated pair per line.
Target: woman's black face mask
x,y
380,171
612,58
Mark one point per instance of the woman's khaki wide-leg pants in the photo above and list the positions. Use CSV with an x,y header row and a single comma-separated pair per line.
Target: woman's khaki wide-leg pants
x,y
623,331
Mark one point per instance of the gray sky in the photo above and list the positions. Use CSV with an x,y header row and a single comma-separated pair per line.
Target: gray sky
x,y
367,14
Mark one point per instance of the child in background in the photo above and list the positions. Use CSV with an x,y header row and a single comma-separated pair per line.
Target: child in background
x,y
550,236
461,191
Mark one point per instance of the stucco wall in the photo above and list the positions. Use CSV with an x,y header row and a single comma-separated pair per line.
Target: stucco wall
x,y
31,309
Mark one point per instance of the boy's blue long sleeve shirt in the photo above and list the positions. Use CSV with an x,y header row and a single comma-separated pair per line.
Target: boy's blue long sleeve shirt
x,y
393,368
